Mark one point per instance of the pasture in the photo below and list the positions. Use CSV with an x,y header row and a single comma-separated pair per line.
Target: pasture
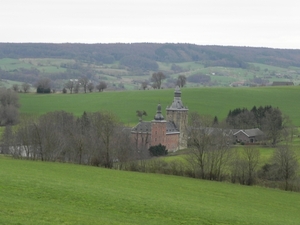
x,y
34,192
116,74
206,101
43,65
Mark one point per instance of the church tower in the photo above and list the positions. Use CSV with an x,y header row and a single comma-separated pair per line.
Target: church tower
x,y
178,114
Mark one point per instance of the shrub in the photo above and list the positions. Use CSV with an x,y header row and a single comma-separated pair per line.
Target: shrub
x,y
158,150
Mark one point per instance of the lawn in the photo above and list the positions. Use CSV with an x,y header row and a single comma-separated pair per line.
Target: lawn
x,y
34,192
206,101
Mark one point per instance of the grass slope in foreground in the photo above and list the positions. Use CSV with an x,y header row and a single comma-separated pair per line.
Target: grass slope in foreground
x,y
206,101
34,192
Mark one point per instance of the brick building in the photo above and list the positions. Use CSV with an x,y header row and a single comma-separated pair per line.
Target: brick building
x,y
170,132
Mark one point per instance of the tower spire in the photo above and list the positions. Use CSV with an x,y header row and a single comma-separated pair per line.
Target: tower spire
x,y
177,103
158,115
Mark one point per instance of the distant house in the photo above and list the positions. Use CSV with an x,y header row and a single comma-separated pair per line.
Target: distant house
x,y
237,84
249,135
282,83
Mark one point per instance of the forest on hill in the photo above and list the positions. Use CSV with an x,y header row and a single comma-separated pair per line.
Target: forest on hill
x,y
147,54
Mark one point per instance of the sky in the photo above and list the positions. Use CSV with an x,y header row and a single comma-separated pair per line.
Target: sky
x,y
255,23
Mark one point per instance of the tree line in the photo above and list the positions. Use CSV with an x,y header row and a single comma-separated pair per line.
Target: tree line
x,y
99,139
108,53
212,156
272,121
33,75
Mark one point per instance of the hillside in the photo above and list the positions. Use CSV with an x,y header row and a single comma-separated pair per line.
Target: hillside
x,y
126,66
35,192
206,101
172,53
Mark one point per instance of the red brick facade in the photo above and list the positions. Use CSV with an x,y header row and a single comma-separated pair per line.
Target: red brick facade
x,y
157,135
170,133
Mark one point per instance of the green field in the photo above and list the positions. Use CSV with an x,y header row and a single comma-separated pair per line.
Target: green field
x,y
43,65
206,101
34,192
116,74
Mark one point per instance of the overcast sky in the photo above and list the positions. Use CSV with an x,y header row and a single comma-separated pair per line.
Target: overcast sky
x,y
261,23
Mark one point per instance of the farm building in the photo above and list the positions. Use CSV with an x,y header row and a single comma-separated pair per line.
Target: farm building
x,y
249,135
282,83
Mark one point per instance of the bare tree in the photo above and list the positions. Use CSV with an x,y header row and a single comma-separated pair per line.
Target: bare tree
x,y
251,156
24,137
210,149
287,163
43,85
48,134
78,140
76,87
104,126
90,87
144,85
15,87
289,130
157,79
25,87
273,125
70,85
181,81
244,166
9,107
101,86
84,82
141,141
221,153
7,140
200,142
124,148
154,86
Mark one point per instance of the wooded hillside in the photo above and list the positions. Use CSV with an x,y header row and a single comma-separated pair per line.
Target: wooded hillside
x,y
149,53
130,66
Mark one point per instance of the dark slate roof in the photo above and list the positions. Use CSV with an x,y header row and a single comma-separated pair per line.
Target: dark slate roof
x,y
126,130
158,115
251,132
171,128
177,103
144,127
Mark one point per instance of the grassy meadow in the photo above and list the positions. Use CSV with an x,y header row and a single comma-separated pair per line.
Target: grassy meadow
x,y
43,64
34,192
115,74
206,101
